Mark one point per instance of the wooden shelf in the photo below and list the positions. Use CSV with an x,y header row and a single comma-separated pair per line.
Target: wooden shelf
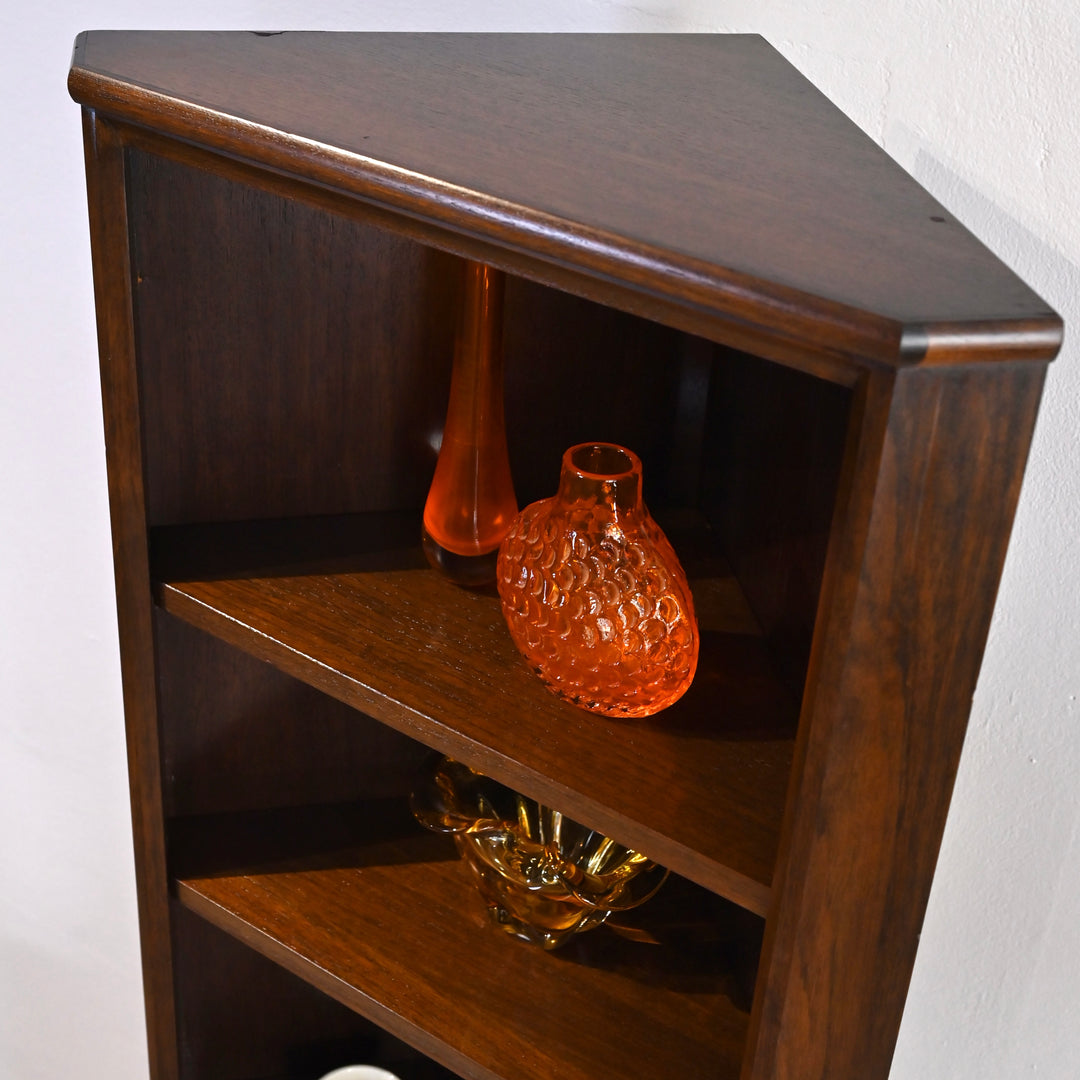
x,y
349,606
338,916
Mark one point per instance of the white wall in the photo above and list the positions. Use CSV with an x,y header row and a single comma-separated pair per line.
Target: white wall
x,y
977,98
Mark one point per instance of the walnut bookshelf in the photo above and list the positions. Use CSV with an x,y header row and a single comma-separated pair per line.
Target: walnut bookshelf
x,y
832,386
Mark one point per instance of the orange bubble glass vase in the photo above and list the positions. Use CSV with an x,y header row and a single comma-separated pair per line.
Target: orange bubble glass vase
x,y
471,502
594,594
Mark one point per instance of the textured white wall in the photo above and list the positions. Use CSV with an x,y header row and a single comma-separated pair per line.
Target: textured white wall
x,y
976,98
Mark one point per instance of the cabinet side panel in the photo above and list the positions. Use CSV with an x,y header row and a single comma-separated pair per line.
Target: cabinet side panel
x,y
909,589
106,196
773,452
292,361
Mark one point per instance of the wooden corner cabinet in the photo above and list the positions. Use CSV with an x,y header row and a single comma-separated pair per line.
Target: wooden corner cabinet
x,y
832,386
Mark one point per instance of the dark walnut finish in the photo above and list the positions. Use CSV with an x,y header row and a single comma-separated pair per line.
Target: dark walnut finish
x,y
832,386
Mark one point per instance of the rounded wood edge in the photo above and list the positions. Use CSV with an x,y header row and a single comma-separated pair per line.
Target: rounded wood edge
x,y
964,343
770,309
792,326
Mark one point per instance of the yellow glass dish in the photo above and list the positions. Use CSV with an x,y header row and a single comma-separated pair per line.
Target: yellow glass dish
x,y
543,876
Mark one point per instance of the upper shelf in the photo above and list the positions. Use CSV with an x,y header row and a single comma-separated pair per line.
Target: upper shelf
x,y
702,170
350,607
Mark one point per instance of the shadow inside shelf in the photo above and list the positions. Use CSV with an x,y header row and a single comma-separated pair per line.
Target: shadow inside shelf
x,y
378,832
735,695
436,662
287,547
684,939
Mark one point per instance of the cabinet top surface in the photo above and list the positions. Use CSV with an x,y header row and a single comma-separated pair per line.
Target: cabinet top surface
x,y
703,165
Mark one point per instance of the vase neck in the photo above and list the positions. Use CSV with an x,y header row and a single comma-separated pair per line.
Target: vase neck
x,y
476,389
604,473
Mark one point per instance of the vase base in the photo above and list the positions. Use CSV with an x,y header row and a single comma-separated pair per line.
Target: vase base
x,y
473,571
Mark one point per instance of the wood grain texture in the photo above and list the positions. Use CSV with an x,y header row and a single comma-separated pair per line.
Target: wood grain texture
x,y
699,787
338,409
119,392
283,349
681,184
395,929
802,354
911,577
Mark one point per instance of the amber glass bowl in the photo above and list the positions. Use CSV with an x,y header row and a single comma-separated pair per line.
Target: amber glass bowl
x,y
543,876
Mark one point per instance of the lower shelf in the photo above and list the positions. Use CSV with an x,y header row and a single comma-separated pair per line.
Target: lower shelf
x,y
243,1017
394,930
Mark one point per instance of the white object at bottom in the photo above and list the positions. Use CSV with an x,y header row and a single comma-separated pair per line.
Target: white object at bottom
x,y
359,1072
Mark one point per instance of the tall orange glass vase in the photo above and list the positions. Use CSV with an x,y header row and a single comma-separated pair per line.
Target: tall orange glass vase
x,y
471,502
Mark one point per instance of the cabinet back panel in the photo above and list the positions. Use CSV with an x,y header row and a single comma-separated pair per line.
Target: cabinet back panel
x,y
243,1016
580,372
298,358
302,359
237,734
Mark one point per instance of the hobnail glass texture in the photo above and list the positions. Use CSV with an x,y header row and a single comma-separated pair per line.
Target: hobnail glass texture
x,y
544,877
471,501
593,593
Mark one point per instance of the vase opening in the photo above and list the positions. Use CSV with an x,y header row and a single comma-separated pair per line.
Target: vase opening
x,y
603,460
602,471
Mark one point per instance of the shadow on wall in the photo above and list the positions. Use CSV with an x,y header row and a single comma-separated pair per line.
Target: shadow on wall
x,y
1014,827
677,18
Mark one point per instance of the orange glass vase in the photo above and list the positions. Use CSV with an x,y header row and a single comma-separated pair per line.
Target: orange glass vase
x,y
471,502
593,593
